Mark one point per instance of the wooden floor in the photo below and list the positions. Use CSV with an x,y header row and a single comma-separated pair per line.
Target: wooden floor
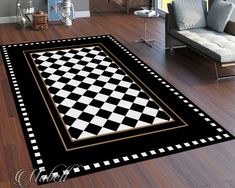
x,y
207,167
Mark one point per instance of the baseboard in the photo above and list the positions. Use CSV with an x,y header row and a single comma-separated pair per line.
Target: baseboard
x,y
82,14
8,19
12,19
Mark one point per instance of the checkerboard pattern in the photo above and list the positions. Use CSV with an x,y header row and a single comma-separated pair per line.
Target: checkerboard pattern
x,y
93,94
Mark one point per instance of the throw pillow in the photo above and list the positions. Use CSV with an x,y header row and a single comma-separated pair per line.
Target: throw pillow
x,y
219,14
189,14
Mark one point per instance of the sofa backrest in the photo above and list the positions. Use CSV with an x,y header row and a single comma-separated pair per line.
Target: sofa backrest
x,y
232,18
171,19
233,15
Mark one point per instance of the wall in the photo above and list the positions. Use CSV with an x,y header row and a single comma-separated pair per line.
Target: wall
x,y
79,5
10,10
8,14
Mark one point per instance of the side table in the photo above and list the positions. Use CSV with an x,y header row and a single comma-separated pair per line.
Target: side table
x,y
145,14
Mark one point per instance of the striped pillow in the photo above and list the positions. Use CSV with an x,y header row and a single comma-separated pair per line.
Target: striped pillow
x,y
219,14
189,14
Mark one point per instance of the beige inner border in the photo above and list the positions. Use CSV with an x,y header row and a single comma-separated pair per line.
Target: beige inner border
x,y
61,137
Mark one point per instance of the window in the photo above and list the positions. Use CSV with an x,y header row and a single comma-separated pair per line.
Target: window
x,y
162,4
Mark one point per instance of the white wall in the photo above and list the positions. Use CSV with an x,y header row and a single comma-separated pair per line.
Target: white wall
x,y
8,9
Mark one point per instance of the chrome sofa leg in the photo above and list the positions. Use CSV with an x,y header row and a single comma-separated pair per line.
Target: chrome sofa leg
x,y
216,71
174,47
218,77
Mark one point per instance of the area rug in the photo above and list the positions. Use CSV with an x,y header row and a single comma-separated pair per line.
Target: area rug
x,y
88,104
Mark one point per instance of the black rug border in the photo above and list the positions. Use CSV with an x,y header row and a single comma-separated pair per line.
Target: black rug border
x,y
222,135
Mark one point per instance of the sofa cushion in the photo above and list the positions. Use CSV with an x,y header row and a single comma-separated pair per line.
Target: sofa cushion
x,y
219,14
189,14
218,46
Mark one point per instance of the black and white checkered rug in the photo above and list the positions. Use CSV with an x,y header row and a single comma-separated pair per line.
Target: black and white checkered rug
x,y
94,96
90,104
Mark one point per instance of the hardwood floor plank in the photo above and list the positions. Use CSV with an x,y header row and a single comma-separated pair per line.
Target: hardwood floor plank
x,y
193,75
5,185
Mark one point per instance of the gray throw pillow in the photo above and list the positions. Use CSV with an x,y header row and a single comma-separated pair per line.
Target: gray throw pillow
x,y
219,14
189,14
